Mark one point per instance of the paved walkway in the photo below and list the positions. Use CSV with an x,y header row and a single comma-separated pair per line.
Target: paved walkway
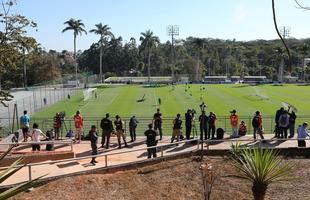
x,y
83,149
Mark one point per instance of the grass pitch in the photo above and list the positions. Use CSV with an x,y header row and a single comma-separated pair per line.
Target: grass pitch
x,y
124,100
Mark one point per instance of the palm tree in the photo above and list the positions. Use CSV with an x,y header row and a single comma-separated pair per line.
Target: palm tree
x,y
260,166
78,28
104,32
148,41
11,170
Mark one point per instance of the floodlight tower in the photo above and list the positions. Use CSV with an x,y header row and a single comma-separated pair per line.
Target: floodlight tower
x,y
172,30
285,32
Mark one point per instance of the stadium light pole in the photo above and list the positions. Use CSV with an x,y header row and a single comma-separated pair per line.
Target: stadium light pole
x,y
285,32
172,30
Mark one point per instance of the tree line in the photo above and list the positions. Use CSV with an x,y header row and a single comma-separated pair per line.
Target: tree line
x,y
112,56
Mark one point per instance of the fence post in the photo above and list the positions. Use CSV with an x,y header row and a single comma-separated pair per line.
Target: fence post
x,y
29,172
106,160
30,104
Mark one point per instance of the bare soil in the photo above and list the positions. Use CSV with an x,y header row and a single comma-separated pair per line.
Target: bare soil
x,y
173,180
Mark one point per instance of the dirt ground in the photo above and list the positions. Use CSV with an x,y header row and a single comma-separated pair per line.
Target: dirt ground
x,y
174,180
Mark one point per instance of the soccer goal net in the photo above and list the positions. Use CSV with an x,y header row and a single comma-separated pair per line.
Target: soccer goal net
x,y
88,93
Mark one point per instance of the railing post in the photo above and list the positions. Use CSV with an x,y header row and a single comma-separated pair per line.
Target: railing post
x,y
106,160
225,123
161,152
198,142
249,125
29,172
207,141
71,146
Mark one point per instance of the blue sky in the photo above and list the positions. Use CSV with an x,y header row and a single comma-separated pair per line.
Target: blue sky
x,y
225,19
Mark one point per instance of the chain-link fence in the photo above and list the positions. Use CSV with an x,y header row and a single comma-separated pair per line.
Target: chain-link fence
x,y
222,122
32,100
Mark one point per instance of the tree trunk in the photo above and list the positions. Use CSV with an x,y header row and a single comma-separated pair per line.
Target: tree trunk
x,y
259,191
149,66
101,61
76,66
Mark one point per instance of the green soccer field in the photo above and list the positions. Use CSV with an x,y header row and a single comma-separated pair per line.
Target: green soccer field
x,y
123,100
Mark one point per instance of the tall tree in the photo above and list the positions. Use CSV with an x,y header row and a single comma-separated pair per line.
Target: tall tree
x,y
104,32
78,28
148,41
199,44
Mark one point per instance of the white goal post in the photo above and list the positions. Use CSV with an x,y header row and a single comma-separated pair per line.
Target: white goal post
x,y
88,93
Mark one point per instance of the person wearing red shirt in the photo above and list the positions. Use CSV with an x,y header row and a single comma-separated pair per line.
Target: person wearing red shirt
x,y
79,123
234,121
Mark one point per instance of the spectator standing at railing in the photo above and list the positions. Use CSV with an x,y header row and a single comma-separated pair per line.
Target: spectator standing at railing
x,y
57,125
119,131
234,122
79,124
93,136
35,137
133,123
257,123
276,119
203,122
212,121
292,120
107,128
177,126
24,124
302,134
151,141
188,123
157,120
283,124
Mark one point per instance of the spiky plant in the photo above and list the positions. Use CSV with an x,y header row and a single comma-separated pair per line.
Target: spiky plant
x,y
5,174
260,166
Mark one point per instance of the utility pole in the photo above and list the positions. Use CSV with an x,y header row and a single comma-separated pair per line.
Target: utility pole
x,y
172,30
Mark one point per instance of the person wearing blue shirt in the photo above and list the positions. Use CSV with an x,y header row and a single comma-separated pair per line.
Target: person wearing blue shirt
x,y
302,133
24,124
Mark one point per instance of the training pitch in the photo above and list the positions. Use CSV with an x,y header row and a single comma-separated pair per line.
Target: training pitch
x,y
127,100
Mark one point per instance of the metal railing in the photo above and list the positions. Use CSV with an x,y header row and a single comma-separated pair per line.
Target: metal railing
x,y
222,122
159,147
38,143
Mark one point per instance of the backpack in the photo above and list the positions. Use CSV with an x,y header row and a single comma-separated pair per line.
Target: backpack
x,y
283,120
255,122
